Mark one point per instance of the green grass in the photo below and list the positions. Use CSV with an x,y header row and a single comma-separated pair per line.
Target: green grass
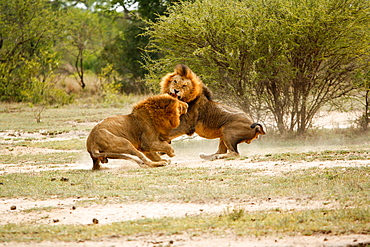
x,y
362,154
71,144
21,117
40,159
347,186
55,120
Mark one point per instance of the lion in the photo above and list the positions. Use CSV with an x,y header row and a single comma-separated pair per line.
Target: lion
x,y
206,117
142,133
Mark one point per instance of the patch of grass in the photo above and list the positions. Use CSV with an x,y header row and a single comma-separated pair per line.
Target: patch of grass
x,y
348,187
55,120
38,209
309,222
71,144
40,159
20,116
362,154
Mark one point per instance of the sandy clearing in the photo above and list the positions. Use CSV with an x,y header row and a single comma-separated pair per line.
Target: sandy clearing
x,y
65,213
226,240
272,168
262,168
42,135
19,150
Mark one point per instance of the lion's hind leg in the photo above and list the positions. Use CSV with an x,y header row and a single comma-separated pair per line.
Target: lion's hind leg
x,y
222,149
225,156
226,149
96,164
142,161
115,147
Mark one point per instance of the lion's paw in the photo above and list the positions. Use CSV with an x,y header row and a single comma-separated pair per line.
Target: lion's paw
x,y
205,156
171,155
100,168
157,163
168,162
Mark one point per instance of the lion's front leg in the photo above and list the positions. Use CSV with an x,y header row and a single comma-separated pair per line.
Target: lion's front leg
x,y
156,146
165,147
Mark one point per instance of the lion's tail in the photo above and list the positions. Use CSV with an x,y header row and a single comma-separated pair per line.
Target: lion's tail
x,y
259,128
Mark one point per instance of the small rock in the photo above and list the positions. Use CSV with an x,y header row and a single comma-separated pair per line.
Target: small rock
x,y
55,220
53,179
64,179
73,207
95,221
13,207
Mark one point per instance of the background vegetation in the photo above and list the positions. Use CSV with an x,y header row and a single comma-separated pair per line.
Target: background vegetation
x,y
288,58
282,59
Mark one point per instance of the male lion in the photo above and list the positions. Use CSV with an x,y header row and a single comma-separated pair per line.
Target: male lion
x,y
206,117
144,131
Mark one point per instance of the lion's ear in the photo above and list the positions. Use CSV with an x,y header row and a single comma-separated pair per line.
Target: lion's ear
x,y
183,70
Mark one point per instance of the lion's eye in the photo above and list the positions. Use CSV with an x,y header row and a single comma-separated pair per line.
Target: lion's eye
x,y
174,81
184,86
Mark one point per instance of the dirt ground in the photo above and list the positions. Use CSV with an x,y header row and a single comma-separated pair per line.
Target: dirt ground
x,y
66,211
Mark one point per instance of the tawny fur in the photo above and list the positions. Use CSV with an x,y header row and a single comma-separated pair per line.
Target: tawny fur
x,y
142,133
206,117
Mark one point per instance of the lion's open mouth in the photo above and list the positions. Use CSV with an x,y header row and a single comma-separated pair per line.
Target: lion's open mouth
x,y
175,95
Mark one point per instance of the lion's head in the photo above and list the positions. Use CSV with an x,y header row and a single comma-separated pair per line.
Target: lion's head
x,y
164,111
182,84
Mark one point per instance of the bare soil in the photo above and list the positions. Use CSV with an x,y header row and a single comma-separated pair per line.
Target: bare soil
x,y
65,211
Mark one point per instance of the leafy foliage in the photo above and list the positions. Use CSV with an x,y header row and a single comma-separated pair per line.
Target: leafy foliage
x,y
290,57
27,59
124,53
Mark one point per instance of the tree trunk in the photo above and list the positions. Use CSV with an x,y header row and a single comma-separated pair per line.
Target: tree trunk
x,y
367,111
79,67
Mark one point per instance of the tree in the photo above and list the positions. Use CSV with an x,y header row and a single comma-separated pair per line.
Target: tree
x,y
328,44
364,96
124,53
290,56
28,30
124,50
147,9
82,32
